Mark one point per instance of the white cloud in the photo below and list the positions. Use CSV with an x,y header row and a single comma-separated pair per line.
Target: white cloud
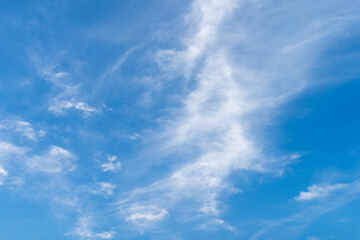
x,y
48,73
111,165
105,235
67,91
47,69
103,188
212,109
3,174
26,130
111,158
207,16
7,148
237,76
56,160
26,169
22,127
145,215
84,107
319,191
83,230
215,224
59,106
9,154
107,167
116,66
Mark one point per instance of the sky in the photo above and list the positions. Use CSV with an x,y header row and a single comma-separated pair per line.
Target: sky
x,y
179,119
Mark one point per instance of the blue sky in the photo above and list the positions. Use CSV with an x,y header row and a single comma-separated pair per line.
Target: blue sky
x,y
195,119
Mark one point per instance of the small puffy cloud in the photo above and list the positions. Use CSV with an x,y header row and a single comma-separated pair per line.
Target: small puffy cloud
x,y
59,106
56,160
111,165
319,191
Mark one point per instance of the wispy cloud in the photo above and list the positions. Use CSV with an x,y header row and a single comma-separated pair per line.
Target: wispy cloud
x,y
22,127
145,216
103,188
319,191
83,230
208,17
26,130
232,68
240,71
10,154
55,160
68,95
7,148
216,224
117,65
59,106
45,177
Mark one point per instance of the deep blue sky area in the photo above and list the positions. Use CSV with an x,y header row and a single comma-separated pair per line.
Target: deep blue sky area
x,y
179,120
